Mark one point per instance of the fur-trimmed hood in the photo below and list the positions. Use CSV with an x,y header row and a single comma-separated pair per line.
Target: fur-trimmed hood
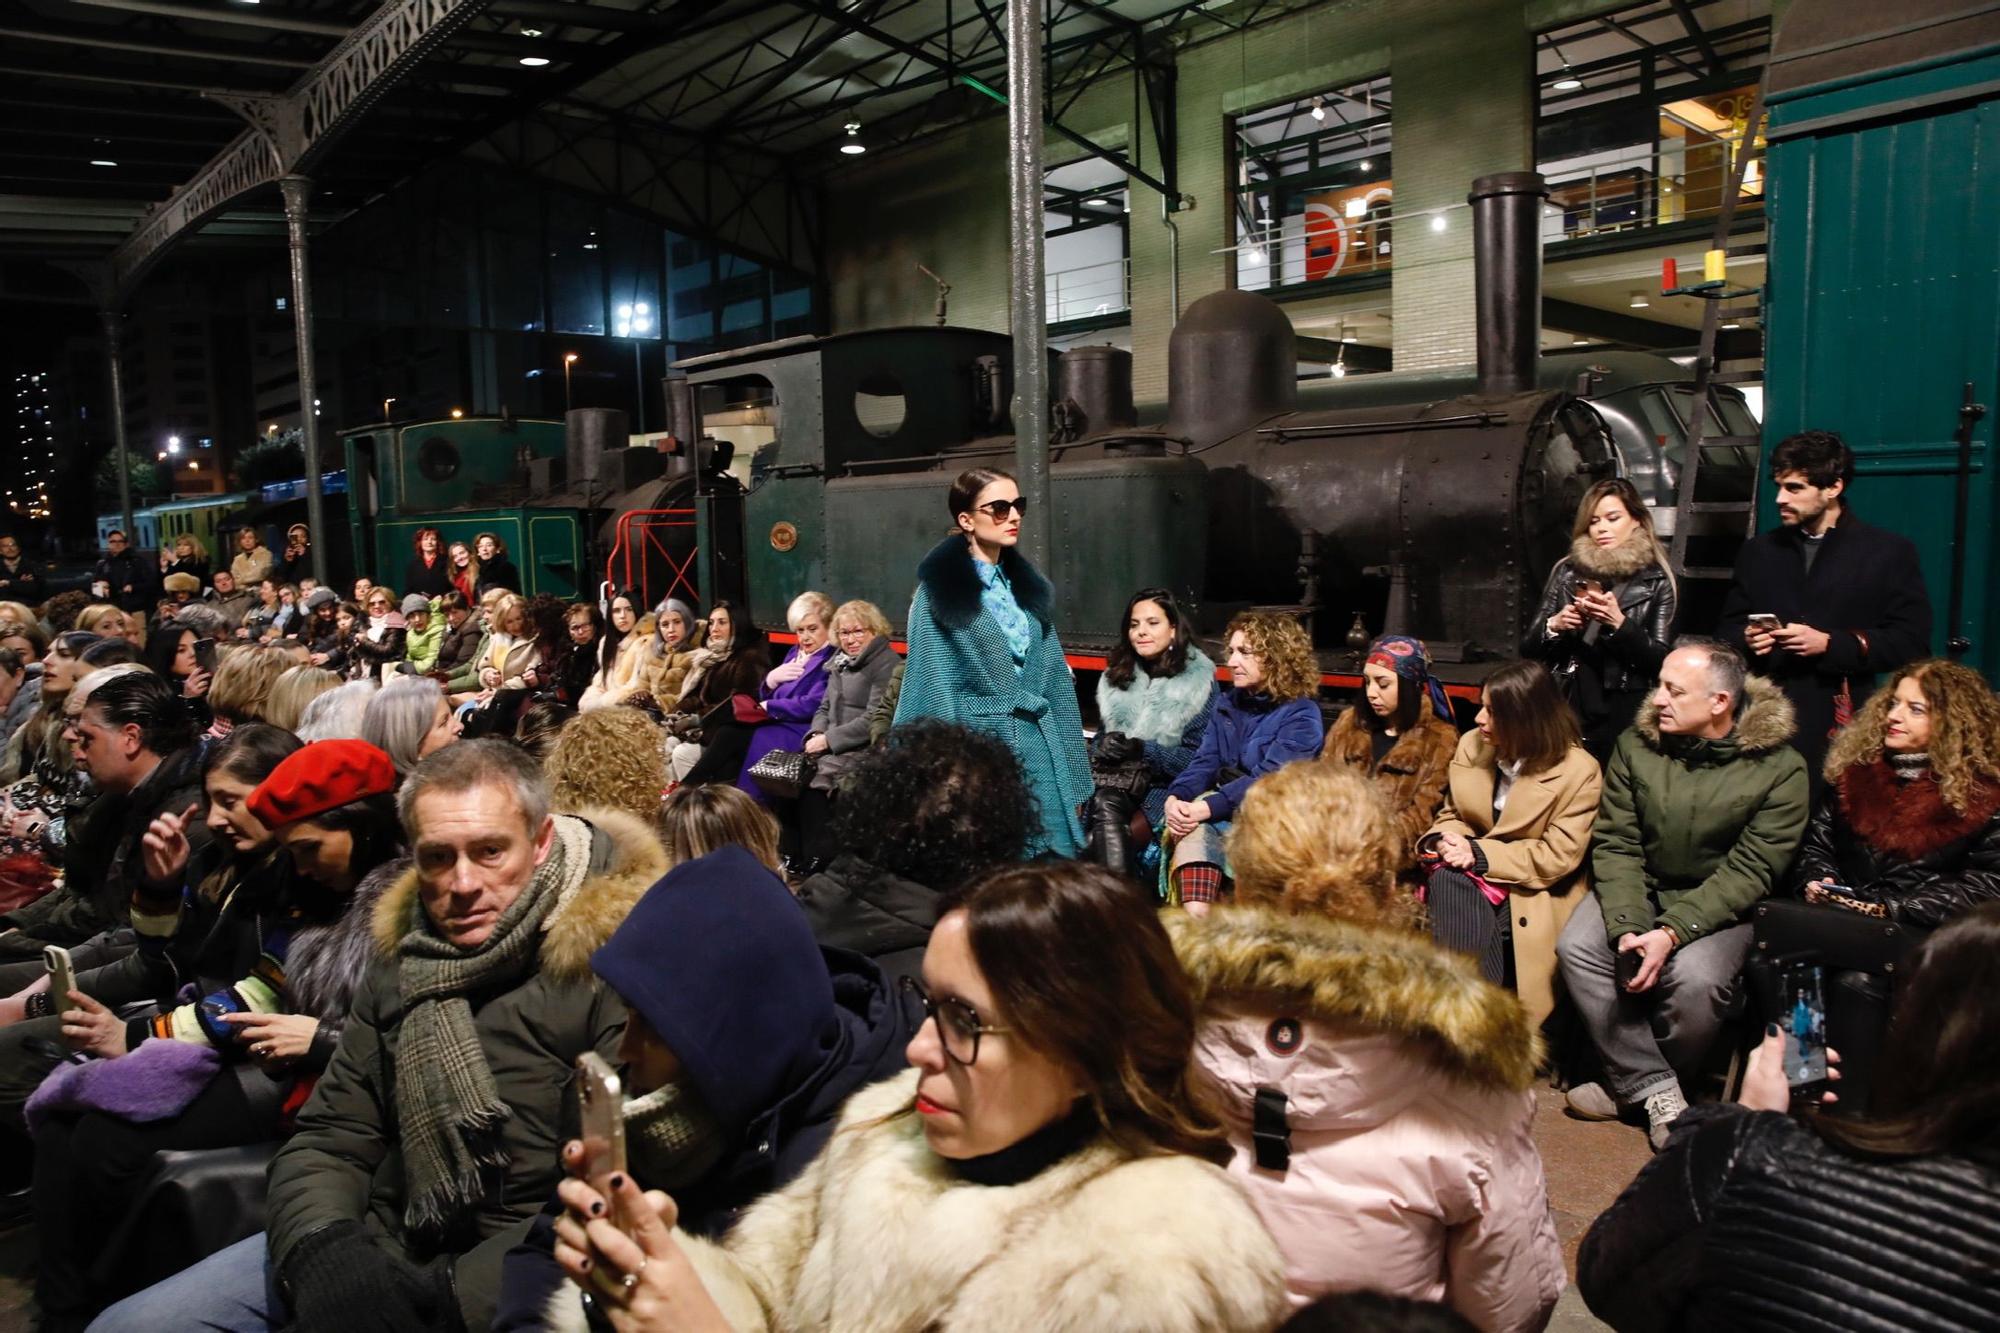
x,y
1617,563
947,574
1351,976
625,860
1765,722
1157,708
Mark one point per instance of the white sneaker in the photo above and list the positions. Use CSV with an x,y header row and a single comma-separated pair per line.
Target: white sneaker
x,y
1589,1101
1662,1109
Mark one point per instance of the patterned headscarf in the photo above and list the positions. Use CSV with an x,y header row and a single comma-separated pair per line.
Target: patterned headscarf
x,y
1411,662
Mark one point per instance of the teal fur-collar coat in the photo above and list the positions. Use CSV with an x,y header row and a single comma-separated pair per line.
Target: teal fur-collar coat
x,y
960,670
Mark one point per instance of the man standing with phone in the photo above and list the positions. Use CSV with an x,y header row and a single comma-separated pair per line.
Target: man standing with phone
x,y
1824,602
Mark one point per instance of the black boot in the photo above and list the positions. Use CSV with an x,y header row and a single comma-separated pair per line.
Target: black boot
x,y
1110,813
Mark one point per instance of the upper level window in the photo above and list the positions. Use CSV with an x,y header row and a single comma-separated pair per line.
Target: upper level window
x,y
1643,112
1313,193
1086,225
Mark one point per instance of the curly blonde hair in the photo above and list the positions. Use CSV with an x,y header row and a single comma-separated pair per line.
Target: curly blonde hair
x,y
1965,730
608,757
1280,643
1316,837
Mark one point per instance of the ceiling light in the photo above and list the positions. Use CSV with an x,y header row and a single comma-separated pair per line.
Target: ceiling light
x,y
534,62
1639,301
1319,109
1366,164
102,162
1357,207
1438,222
1732,325
1100,203
1568,83
1255,254
531,32
853,147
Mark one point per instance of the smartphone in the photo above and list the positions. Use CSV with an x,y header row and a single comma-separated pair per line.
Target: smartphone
x,y
204,655
602,1099
1803,1018
62,974
1764,621
1590,586
1629,963
1845,891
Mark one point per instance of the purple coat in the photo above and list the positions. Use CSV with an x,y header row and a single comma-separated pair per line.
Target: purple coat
x,y
791,707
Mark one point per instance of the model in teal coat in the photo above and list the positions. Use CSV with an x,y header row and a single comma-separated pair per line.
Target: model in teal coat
x,y
984,654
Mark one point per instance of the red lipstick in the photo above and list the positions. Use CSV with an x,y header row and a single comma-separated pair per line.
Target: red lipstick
x,y
925,1106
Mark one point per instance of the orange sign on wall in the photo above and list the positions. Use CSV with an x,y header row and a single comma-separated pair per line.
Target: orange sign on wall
x,y
1347,231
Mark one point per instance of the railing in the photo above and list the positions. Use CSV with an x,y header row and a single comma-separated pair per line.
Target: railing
x,y
641,536
1088,290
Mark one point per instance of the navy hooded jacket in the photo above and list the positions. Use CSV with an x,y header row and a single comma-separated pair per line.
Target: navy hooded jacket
x,y
774,1031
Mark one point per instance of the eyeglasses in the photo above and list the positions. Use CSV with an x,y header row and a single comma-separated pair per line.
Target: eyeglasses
x,y
959,1028
851,631
997,509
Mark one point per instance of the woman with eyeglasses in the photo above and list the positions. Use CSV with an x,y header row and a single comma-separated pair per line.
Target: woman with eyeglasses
x,y
382,640
1047,1163
984,652
857,677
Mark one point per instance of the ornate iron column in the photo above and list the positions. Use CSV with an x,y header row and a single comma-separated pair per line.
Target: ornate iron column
x,y
296,190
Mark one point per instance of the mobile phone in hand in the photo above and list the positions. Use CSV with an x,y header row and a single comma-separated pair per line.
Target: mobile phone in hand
x,y
1765,622
1588,586
204,655
1629,963
62,975
602,1100
1803,1018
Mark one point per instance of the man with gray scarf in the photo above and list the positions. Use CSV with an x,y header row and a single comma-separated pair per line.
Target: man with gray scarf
x,y
432,1138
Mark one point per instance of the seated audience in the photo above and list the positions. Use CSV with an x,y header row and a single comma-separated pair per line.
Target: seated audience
x,y
251,564
1607,613
1402,735
171,655
1704,805
1755,1218
429,569
25,637
1377,1092
260,622
856,677
676,636
379,642
745,1039
619,654
225,1064
433,1136
695,821
1051,1109
1265,719
244,679
336,715
918,819
540,723
792,690
609,757
409,720
18,694
458,650
102,618
508,652
423,634
585,627
1154,702
227,597
733,662
1506,855
179,589
296,687
321,632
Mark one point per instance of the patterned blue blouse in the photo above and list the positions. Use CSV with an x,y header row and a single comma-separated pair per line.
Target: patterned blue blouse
x,y
996,595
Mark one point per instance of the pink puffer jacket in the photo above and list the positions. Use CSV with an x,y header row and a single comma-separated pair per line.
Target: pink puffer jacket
x,y
1410,1167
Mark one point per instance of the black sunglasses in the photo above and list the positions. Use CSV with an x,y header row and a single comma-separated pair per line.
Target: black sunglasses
x,y
997,509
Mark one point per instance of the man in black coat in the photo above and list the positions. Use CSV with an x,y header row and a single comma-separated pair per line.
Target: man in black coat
x,y
1848,597
132,578
19,581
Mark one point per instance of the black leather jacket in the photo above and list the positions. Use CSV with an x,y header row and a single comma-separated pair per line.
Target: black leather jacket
x,y
1749,1220
1944,870
1627,658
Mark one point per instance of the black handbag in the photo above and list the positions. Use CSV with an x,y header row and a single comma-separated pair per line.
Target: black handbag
x,y
783,773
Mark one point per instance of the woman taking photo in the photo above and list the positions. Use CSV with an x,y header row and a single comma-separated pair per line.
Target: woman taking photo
x,y
856,678
1506,855
793,689
1154,701
1606,619
1799,1220
463,571
1402,1159
429,569
1046,1164
619,654
1401,735
495,569
1267,718
273,1028
984,652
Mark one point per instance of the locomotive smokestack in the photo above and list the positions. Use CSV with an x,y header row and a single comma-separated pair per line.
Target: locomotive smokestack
x,y
1507,276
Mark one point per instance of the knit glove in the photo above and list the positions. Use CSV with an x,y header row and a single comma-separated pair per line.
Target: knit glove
x,y
340,1280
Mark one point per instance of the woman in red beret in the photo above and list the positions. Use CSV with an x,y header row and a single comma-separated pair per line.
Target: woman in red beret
x,y
297,843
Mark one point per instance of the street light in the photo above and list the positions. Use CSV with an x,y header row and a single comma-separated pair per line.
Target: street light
x,y
569,359
173,444
385,408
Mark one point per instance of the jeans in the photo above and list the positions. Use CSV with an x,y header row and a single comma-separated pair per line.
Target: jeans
x,y
228,1292
1648,1042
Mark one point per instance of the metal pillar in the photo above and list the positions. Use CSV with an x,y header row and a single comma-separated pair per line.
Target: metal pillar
x,y
112,331
1030,322
296,189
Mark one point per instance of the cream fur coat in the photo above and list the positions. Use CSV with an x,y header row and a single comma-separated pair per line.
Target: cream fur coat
x,y
877,1236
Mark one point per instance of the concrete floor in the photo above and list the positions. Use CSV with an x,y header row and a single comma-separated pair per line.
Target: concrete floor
x,y
1587,1165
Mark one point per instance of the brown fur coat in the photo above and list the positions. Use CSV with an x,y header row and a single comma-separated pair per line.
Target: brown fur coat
x,y
1411,776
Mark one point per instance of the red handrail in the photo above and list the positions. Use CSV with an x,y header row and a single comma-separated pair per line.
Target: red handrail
x,y
635,532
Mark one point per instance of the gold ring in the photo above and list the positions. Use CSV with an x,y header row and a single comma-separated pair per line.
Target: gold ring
x,y
631,1279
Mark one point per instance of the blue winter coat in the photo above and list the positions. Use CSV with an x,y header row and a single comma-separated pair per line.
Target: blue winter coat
x,y
960,670
1250,733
